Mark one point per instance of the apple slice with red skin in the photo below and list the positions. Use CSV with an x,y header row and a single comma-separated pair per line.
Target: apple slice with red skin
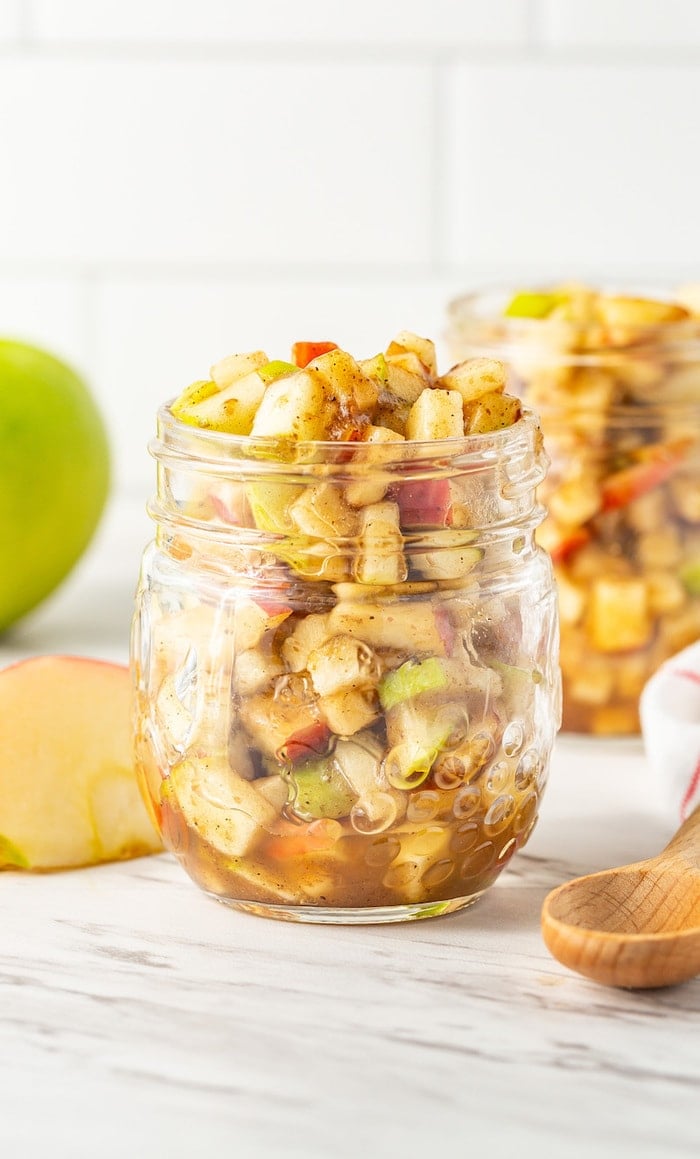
x,y
304,352
656,464
427,503
68,788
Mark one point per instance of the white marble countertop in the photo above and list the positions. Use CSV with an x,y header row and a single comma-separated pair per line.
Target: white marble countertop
x,y
139,1017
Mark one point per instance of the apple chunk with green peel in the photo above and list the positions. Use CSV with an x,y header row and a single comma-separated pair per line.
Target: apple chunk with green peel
x,y
68,790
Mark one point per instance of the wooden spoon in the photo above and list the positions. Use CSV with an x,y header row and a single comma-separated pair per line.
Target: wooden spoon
x,y
637,926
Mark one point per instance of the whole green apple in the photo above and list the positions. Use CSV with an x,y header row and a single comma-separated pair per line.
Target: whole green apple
x,y
54,474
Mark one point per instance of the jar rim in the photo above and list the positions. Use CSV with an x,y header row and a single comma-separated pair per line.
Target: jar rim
x,y
182,441
484,305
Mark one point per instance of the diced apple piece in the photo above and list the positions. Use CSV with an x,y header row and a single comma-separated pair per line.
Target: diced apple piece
x,y
405,383
380,558
343,379
425,503
392,413
223,809
236,366
276,369
493,412
229,502
452,558
239,756
309,634
666,592
305,743
409,361
416,738
231,409
634,313
284,723
195,393
475,378
436,414
407,628
304,352
661,546
360,759
252,620
255,670
572,600
350,710
342,663
361,493
321,511
270,503
293,408
532,304
575,501
618,618
375,368
680,629
274,789
410,680
68,788
405,341
321,790
173,719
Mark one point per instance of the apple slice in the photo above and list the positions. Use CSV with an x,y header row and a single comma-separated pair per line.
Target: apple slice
x,y
68,791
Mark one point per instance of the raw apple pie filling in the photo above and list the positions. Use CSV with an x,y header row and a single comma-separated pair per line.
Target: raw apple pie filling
x,y
345,640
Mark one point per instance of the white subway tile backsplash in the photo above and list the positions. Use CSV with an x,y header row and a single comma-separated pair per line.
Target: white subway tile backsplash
x,y
48,312
147,161
155,335
378,22
621,23
573,165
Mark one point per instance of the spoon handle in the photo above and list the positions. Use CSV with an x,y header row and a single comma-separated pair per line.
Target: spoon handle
x,y
686,842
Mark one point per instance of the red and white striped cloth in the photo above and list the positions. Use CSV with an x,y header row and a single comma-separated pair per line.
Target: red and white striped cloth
x,y
670,713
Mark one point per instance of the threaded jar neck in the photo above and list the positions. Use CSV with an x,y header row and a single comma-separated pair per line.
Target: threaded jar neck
x,y
314,505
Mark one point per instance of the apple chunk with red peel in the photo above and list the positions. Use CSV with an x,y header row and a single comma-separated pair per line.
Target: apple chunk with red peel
x,y
68,790
425,503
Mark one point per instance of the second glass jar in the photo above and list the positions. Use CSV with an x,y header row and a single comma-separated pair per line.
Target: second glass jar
x,y
619,403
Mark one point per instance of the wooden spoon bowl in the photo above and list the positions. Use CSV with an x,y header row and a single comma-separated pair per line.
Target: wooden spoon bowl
x,y
637,926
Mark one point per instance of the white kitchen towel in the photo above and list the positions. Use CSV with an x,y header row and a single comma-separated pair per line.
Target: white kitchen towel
x,y
670,715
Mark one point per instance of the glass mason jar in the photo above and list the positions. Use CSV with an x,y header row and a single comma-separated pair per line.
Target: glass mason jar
x,y
355,727
620,411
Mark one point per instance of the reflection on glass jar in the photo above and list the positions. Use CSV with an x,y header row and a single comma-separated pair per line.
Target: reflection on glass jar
x,y
616,382
323,743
